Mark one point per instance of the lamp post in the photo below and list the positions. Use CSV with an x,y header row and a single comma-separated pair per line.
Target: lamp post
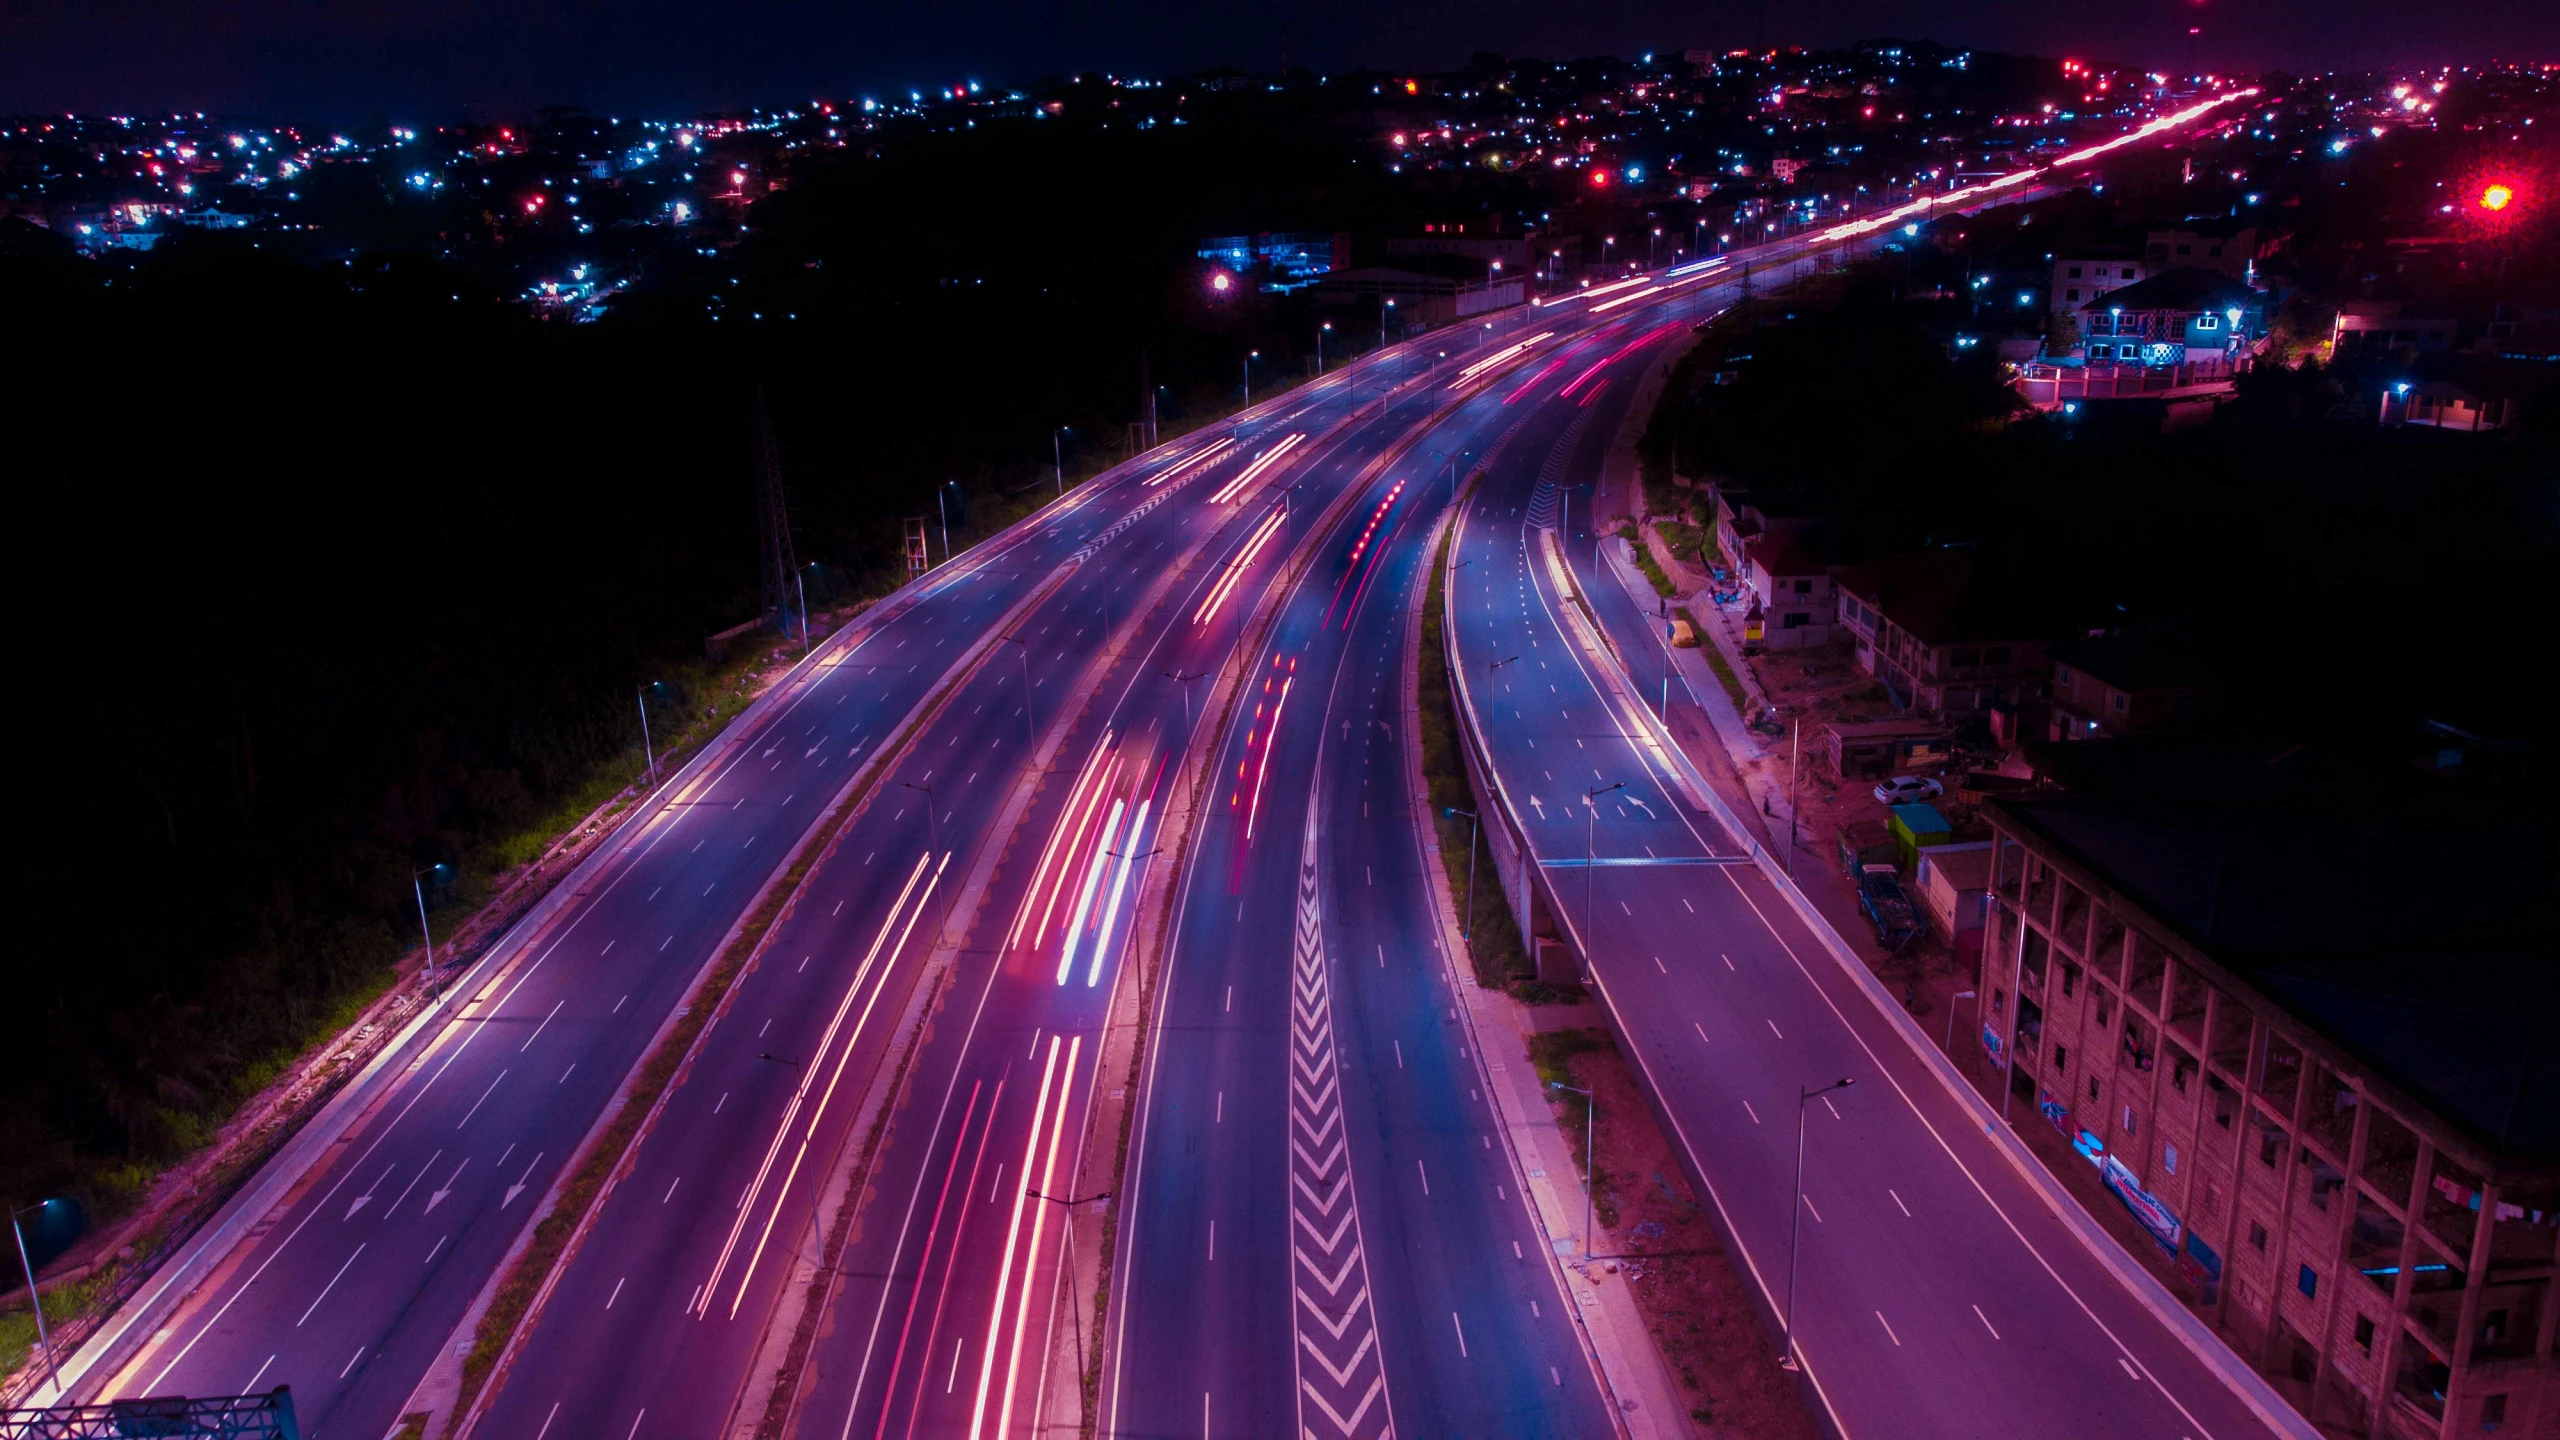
x,y
1951,1018
1321,332
1058,457
418,889
1184,681
1590,1178
1249,357
1467,930
1030,731
1653,247
35,1301
799,585
1795,1218
1590,828
933,833
648,747
1073,1309
942,510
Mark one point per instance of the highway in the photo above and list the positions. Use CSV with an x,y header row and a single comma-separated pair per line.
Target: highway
x,y
349,1284
920,1034
1322,1218
1938,1295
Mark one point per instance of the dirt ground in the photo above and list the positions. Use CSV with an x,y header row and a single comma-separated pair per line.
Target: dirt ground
x,y
1665,1247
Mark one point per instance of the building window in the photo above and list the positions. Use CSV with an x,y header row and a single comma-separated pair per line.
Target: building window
x,y
2208,322
1796,620
2127,272
2257,1236
1804,587
2093,1088
2270,1145
2169,1158
2115,701
2061,1058
2061,674
2310,1283
2075,272
2071,295
2132,1122
2213,252
1962,657
2364,1333
2493,1411
1995,655
2186,249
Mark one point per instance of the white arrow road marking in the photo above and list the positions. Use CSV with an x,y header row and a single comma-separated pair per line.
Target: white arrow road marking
x,y
1343,1393
437,1198
518,1188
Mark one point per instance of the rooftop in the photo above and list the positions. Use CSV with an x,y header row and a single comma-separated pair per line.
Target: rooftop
x,y
2409,921
2138,662
1934,595
2186,287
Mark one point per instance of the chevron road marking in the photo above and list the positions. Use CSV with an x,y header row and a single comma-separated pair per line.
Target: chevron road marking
x,y
1342,1396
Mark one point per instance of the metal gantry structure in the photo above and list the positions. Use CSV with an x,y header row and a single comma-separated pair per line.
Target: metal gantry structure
x,y
226,1417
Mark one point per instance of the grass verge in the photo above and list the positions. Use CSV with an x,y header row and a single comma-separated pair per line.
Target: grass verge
x,y
1645,562
1494,951
1725,677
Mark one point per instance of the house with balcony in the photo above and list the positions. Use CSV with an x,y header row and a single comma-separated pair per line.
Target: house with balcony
x,y
2080,279
1939,638
1793,597
2184,316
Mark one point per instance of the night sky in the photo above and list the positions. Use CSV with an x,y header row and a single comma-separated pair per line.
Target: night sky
x,y
431,60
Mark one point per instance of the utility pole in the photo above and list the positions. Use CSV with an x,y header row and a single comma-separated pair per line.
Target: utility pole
x,y
1058,458
1030,731
1795,751
1590,828
648,747
773,521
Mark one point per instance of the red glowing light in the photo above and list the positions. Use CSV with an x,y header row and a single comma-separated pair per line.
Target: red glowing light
x,y
2497,197
1599,178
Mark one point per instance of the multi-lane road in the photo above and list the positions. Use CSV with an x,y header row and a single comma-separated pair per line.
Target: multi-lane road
x,y
840,1216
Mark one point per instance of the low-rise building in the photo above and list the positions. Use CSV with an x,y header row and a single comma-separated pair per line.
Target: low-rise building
x,y
1793,593
2298,1014
2078,280
1940,641
2228,248
2176,317
2115,687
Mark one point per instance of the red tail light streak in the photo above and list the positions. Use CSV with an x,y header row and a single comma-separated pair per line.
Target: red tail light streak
x,y
1360,552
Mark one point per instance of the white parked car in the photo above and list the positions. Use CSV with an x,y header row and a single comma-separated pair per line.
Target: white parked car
x,y
1909,790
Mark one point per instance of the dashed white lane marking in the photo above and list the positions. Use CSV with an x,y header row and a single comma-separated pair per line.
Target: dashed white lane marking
x,y
1986,1321
1888,1329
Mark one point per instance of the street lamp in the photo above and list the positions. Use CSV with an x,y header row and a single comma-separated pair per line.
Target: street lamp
x,y
1184,681
35,1301
1249,357
1058,457
649,747
418,889
1321,331
1951,1017
802,588
1064,1203
1467,930
1590,827
1590,1177
1030,731
1652,246
933,834
1795,1217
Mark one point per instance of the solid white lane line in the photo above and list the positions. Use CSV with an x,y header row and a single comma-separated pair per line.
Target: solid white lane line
x,y
325,1289
1462,1334
483,1100
351,1362
252,1387
546,1421
437,1250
